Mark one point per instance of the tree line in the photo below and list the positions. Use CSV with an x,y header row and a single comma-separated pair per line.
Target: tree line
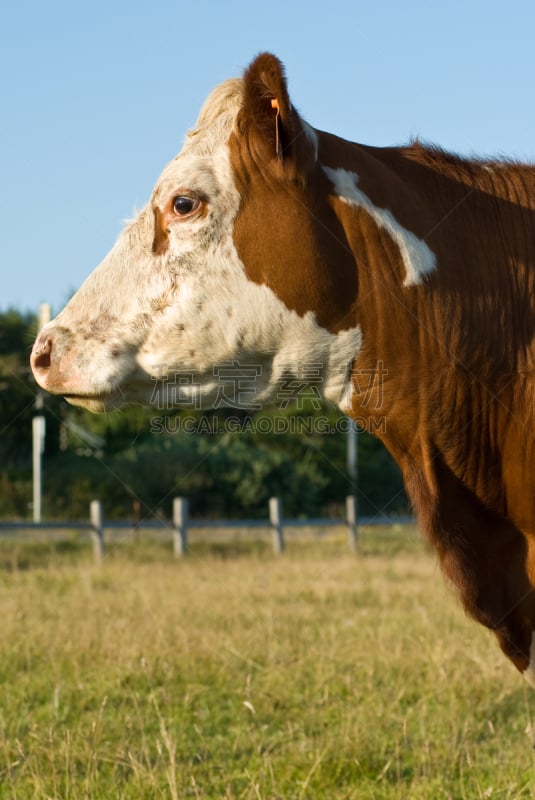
x,y
227,462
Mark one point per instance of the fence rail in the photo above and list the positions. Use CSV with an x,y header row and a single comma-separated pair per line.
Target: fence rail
x,y
181,524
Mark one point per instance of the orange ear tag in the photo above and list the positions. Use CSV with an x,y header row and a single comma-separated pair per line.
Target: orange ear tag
x,y
278,143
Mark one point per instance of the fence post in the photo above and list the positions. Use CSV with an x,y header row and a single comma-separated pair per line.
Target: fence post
x,y
352,521
136,510
180,523
96,517
275,520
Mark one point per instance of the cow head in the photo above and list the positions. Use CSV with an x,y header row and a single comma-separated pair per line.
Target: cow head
x,y
234,259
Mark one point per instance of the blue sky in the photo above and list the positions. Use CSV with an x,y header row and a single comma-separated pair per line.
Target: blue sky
x,y
96,99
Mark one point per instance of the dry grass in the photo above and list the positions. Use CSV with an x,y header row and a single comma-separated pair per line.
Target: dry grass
x,y
317,675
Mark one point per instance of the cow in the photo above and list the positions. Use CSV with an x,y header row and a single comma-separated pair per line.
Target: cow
x,y
269,242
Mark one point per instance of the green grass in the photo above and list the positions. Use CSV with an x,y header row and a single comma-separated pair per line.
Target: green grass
x,y
237,674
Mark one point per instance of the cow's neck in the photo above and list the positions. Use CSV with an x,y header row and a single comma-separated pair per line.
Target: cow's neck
x,y
446,378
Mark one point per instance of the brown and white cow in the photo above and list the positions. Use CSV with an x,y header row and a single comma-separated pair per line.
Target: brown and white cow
x,y
268,242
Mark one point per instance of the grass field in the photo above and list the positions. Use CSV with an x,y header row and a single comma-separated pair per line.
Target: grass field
x,y
237,674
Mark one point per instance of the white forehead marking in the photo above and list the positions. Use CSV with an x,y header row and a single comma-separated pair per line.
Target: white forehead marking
x,y
216,117
529,673
196,166
418,258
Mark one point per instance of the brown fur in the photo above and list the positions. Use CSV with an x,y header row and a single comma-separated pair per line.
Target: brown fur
x,y
161,236
459,348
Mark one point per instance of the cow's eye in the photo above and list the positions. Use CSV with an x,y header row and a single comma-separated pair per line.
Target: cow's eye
x,y
183,205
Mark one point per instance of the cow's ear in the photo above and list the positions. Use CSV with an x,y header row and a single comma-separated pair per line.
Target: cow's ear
x,y
274,128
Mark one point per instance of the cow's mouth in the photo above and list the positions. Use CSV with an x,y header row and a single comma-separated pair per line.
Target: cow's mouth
x,y
97,403
135,392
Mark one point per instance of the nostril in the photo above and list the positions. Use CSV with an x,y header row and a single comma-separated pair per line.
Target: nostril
x,y
42,361
41,355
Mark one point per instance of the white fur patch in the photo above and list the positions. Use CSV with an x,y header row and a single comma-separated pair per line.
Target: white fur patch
x,y
418,258
529,673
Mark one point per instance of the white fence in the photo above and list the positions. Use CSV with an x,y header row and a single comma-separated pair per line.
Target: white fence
x,y
181,524
276,524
